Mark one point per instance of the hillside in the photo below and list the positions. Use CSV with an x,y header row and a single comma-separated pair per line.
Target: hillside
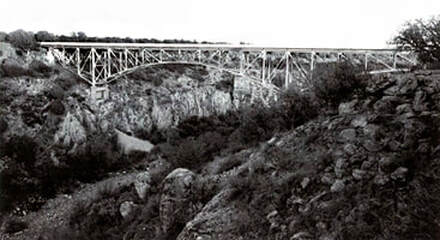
x,y
353,158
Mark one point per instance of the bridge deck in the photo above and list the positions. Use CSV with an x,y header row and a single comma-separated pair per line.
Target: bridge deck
x,y
167,46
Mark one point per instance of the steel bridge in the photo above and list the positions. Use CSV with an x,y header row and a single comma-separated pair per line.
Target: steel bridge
x,y
102,63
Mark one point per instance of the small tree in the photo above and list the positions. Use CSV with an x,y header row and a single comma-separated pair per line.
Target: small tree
x,y
22,39
45,36
422,37
3,36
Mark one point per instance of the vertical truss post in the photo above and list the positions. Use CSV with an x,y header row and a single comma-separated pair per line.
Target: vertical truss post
x,y
161,55
120,62
199,53
63,54
143,56
269,60
126,58
220,55
312,61
137,58
93,67
395,60
241,62
109,62
366,61
286,81
78,61
263,74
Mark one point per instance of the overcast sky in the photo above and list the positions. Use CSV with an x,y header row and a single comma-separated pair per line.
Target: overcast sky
x,y
305,23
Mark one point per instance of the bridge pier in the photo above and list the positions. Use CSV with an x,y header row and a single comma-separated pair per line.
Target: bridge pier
x,y
98,94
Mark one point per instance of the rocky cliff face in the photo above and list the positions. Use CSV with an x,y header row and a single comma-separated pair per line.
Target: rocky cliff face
x,y
157,98
363,173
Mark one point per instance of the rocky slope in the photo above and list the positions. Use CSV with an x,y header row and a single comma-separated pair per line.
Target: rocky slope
x,y
368,171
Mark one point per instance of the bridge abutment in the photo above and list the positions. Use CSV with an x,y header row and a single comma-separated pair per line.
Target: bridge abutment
x,y
99,93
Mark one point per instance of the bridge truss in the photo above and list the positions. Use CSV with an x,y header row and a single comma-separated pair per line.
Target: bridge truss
x,y
102,63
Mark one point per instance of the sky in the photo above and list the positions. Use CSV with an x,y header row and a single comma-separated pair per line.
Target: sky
x,y
288,23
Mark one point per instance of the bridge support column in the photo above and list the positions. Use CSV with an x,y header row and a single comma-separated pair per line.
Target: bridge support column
x,y
98,94
287,81
93,67
312,61
366,62
78,61
395,60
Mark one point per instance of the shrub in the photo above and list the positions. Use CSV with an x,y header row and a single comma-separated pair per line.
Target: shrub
x,y
3,125
57,107
11,68
66,80
21,149
193,152
22,40
55,92
44,36
423,37
299,107
333,83
18,155
3,37
14,225
39,67
91,161
30,116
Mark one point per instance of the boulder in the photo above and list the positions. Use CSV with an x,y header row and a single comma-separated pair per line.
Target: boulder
x,y
337,186
126,208
347,107
359,121
399,174
340,167
359,174
142,184
347,135
71,131
178,202
221,219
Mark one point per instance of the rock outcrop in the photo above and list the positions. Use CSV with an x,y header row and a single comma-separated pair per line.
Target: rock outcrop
x,y
178,199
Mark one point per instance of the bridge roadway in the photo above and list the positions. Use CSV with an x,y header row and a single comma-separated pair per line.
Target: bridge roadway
x,y
271,67
251,48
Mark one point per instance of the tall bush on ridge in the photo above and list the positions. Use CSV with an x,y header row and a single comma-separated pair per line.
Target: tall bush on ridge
x,y
336,82
423,37
22,39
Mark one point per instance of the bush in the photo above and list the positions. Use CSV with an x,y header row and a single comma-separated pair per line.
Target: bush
x,y
11,68
44,36
22,40
334,83
423,37
55,92
91,161
66,80
191,153
57,107
299,107
3,37
18,155
39,67
3,125
14,225
101,219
